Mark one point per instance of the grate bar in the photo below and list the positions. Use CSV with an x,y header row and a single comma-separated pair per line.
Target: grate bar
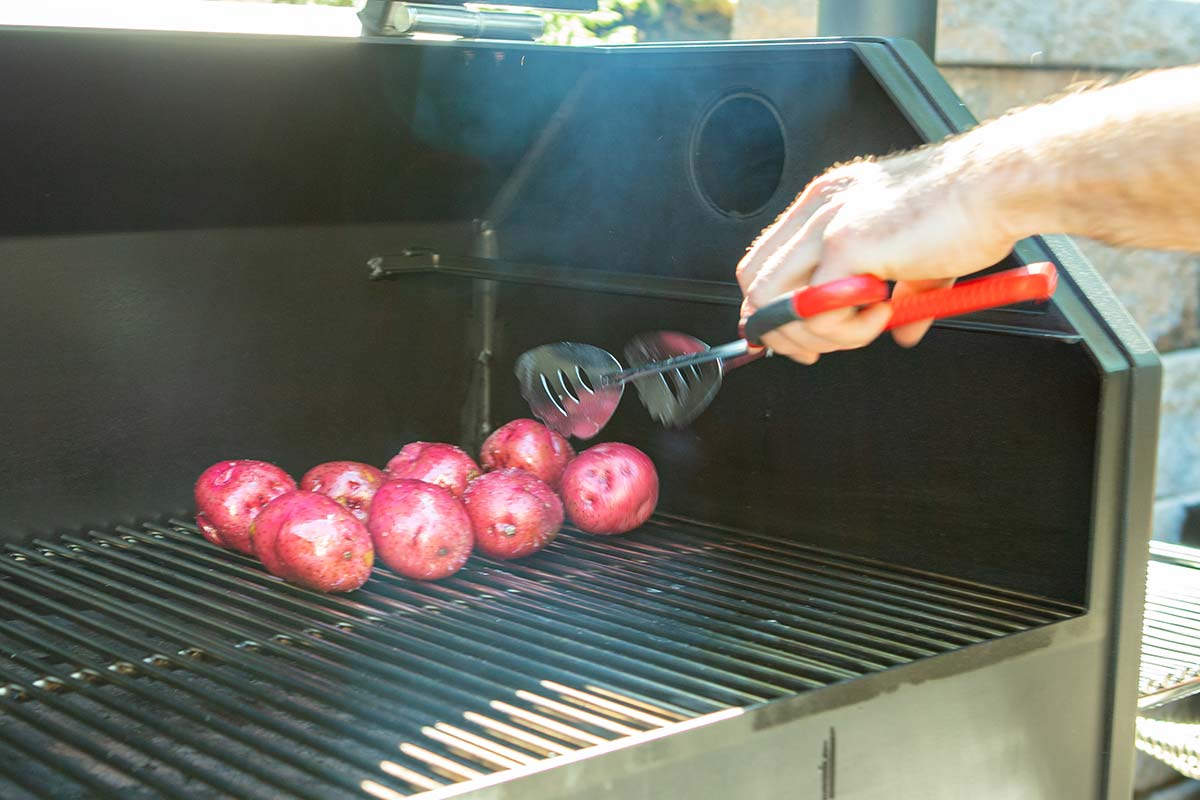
x,y
336,656
713,669
404,687
547,747
861,587
474,636
595,701
463,741
837,589
76,735
290,709
78,739
818,664
53,759
567,710
145,718
309,685
21,748
797,553
836,648
1170,628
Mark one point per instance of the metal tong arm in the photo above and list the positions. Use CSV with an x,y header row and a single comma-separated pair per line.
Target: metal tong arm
x,y
718,353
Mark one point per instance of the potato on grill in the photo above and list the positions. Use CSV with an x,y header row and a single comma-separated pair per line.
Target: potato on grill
x,y
230,494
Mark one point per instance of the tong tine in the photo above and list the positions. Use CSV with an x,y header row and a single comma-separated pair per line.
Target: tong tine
x,y
681,384
572,386
560,389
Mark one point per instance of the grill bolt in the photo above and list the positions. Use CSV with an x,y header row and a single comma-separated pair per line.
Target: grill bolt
x,y
284,639
158,660
343,626
14,692
193,653
50,684
123,667
88,675
249,646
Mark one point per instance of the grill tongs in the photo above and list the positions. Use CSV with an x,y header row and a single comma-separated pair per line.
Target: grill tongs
x,y
575,388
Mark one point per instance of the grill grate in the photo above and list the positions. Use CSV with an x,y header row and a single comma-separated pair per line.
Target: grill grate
x,y
144,660
1170,670
1170,667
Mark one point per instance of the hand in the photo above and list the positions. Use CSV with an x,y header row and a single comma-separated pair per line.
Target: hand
x,y
919,218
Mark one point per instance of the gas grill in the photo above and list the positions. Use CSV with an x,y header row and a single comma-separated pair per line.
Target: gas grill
x,y
897,574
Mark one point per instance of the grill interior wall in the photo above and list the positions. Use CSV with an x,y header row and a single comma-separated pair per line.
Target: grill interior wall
x,y
134,359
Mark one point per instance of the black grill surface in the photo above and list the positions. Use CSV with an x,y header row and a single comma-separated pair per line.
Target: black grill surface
x,y
143,661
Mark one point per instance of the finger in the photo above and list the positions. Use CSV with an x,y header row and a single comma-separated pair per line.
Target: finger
x,y
910,335
797,336
842,329
791,265
781,230
850,327
781,346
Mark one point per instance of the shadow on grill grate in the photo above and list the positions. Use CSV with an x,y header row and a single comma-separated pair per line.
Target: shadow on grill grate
x,y
145,660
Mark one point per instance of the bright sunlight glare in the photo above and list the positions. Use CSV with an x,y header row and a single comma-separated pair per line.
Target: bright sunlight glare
x,y
213,16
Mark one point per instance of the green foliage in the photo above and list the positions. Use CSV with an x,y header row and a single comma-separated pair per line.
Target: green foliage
x,y
621,21
628,21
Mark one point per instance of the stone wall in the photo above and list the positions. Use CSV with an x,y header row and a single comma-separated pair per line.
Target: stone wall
x,y
1002,54
1110,34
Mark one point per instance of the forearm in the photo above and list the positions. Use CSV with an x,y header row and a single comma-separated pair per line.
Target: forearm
x,y
1119,164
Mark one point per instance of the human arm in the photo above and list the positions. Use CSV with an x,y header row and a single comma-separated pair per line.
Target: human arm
x,y
1120,164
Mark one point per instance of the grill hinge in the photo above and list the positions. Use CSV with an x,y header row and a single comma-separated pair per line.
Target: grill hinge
x,y
388,18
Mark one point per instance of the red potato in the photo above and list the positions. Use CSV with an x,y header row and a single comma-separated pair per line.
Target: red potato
x,y
513,513
443,464
350,483
610,488
529,445
230,494
420,529
312,540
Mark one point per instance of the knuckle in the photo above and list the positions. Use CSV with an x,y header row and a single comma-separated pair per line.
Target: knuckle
x,y
762,288
835,241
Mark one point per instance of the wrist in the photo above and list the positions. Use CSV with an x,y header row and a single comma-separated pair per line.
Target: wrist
x,y
1002,181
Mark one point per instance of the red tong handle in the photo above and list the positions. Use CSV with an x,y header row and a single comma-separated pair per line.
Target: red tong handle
x,y
1035,282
